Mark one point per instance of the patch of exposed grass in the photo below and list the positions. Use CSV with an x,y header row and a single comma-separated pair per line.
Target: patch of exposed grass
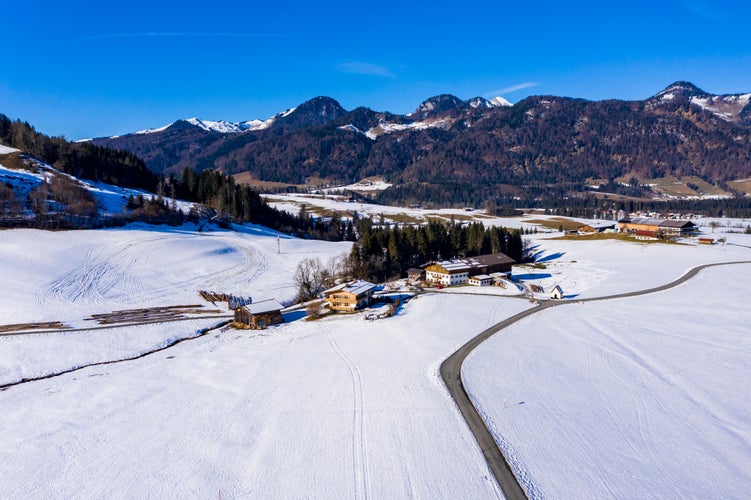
x,y
612,236
556,223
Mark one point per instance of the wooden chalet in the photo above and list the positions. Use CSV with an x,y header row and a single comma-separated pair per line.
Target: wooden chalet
x,y
350,296
259,315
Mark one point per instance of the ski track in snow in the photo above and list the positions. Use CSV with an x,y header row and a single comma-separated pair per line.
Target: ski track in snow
x,y
359,434
125,274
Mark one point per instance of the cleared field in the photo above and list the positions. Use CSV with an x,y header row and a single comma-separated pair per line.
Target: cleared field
x,y
557,223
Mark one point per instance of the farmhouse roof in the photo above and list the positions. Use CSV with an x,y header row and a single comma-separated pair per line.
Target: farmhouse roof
x,y
455,266
677,223
598,225
491,259
265,306
482,277
357,287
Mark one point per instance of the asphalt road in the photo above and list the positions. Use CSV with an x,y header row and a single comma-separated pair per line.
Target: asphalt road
x,y
451,374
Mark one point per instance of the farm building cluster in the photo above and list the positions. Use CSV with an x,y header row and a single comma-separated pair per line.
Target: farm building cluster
x,y
482,270
656,228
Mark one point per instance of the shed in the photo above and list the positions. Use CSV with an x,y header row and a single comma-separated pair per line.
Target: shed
x,y
259,315
415,274
556,293
706,241
481,280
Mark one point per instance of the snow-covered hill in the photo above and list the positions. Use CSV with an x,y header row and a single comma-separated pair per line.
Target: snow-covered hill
x,y
29,173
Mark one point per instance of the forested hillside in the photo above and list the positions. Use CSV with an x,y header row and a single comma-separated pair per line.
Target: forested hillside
x,y
540,143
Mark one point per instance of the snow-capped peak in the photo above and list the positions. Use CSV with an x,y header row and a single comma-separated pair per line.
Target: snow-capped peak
x,y
500,101
223,127
481,102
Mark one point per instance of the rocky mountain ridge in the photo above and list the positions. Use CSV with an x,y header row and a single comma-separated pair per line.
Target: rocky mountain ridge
x,y
539,141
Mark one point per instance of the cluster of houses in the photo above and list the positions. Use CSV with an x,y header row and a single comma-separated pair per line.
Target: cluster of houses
x,y
347,297
642,227
482,270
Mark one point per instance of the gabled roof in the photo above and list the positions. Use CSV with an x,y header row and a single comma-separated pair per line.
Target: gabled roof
x,y
677,223
490,259
265,306
453,266
644,221
357,287
481,277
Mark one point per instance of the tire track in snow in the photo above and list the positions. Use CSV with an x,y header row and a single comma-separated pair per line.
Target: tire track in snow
x,y
359,434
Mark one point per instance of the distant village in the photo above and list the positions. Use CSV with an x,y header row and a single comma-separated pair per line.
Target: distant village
x,y
480,271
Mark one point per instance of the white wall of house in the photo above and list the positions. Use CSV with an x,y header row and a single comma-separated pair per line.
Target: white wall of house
x,y
447,279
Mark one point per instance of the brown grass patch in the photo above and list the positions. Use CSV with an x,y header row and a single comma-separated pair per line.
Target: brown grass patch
x,y
612,236
556,223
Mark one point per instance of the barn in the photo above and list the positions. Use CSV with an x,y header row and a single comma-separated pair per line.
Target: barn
x,y
259,315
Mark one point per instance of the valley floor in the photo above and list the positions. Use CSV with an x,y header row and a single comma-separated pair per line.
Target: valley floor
x,y
343,407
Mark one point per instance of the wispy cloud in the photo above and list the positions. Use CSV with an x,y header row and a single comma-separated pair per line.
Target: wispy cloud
x,y
510,89
368,69
174,34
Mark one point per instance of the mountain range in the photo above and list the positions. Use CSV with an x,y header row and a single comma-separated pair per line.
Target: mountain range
x,y
537,142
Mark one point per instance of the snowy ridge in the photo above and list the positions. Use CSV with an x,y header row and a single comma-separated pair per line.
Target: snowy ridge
x,y
149,130
385,127
112,199
481,102
726,107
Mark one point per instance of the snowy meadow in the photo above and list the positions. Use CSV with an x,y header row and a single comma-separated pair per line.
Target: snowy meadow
x,y
623,397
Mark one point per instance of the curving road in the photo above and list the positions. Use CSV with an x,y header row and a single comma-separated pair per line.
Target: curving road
x,y
451,374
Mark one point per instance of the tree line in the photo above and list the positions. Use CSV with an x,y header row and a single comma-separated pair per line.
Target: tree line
x,y
79,159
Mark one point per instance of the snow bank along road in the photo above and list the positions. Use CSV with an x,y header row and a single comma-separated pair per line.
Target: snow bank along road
x,y
451,374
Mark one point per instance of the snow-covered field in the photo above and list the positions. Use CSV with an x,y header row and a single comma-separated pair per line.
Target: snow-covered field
x,y
629,398
339,408
343,407
70,275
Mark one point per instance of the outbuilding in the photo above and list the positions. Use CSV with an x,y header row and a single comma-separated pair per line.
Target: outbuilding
x,y
556,293
259,315
481,280
415,274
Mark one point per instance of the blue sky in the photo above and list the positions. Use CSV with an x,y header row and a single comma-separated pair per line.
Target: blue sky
x,y
85,69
